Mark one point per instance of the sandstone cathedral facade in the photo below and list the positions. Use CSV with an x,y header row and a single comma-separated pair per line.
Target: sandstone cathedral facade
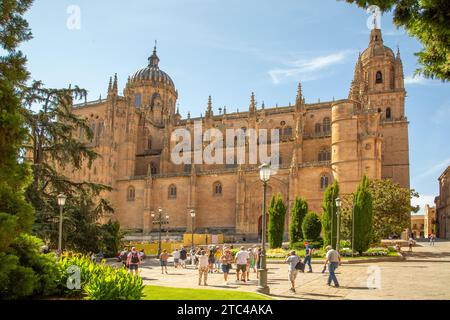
x,y
366,133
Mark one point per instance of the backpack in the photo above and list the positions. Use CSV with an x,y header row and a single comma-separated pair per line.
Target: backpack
x,y
124,256
135,257
300,266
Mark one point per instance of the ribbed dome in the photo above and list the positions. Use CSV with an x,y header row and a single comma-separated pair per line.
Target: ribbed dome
x,y
152,72
376,47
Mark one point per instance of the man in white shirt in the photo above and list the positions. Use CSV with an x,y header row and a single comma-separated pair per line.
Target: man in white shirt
x,y
334,259
203,267
176,258
242,258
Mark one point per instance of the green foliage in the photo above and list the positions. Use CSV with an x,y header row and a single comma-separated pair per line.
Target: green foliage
x,y
23,270
28,248
311,226
329,218
277,213
427,21
363,217
100,282
301,245
298,213
391,208
111,238
55,147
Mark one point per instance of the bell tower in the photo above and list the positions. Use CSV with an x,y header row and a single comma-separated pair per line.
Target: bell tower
x,y
378,86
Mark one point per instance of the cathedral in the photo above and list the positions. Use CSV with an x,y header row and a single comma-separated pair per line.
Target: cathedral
x,y
363,134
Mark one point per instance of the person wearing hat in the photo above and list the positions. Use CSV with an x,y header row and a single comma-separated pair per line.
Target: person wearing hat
x,y
333,259
242,259
225,263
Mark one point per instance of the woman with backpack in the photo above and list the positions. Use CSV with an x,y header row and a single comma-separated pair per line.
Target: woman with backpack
x,y
133,261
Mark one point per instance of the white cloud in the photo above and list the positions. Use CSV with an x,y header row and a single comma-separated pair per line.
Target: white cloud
x,y
307,69
422,201
436,169
419,80
411,80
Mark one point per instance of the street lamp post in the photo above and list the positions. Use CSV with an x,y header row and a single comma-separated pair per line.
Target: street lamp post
x,y
206,236
264,175
338,228
353,224
61,202
192,227
160,221
332,219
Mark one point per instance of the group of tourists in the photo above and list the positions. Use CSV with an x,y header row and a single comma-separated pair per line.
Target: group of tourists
x,y
215,259
295,265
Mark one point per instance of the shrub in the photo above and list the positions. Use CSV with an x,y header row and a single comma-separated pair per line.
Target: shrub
x,y
277,213
347,252
329,217
391,249
100,282
317,244
376,252
345,244
298,213
27,248
311,226
363,214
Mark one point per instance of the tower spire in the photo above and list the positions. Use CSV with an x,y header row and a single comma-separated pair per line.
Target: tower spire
x,y
252,108
115,87
209,112
153,60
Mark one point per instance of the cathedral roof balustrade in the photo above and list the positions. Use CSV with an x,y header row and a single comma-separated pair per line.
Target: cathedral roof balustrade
x,y
317,135
151,152
88,103
227,170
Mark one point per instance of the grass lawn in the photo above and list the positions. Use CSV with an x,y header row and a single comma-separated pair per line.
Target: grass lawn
x,y
169,293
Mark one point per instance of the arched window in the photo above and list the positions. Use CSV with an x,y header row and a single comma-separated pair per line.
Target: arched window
x,y
318,128
137,100
99,132
93,129
131,193
325,181
172,191
379,77
217,189
326,125
149,143
153,168
288,131
388,113
324,155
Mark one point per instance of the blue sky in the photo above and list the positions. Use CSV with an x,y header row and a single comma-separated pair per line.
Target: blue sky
x,y
231,48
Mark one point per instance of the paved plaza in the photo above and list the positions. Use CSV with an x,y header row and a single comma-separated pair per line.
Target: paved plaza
x,y
425,274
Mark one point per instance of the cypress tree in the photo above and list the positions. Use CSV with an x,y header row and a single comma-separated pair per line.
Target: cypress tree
x,y
277,213
363,216
298,213
329,217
